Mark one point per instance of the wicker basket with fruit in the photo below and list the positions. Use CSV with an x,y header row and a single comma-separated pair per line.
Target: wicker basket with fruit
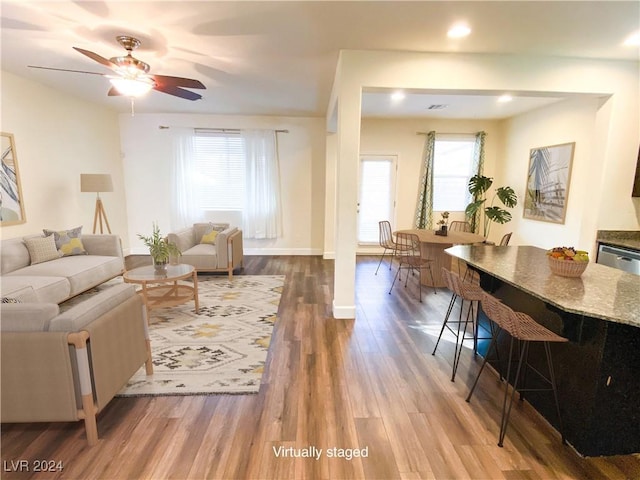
x,y
567,261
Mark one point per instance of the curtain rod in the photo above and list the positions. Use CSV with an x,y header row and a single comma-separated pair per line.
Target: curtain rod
x,y
221,130
448,133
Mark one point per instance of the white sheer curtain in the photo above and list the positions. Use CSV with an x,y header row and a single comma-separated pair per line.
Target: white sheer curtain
x,y
261,216
185,209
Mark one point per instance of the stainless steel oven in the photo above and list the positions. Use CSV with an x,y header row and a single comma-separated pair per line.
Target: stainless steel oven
x,y
620,258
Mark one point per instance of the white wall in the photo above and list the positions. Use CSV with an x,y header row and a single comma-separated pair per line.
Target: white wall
x,y
147,159
568,121
57,137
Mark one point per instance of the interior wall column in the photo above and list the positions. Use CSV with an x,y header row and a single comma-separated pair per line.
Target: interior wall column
x,y
346,200
329,250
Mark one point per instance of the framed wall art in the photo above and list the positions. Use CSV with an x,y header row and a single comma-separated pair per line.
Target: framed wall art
x,y
548,180
11,199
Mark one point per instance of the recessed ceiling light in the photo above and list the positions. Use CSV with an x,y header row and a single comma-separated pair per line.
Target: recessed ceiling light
x,y
632,40
397,96
459,30
505,98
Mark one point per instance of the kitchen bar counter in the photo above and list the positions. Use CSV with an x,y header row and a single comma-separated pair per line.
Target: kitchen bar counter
x,y
601,292
597,371
620,238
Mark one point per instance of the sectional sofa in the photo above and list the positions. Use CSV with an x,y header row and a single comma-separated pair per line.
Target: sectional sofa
x,y
67,364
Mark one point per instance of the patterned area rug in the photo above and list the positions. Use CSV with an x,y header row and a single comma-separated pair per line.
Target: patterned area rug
x,y
221,350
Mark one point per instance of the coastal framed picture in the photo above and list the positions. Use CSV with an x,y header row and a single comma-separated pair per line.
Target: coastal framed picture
x,y
548,179
11,203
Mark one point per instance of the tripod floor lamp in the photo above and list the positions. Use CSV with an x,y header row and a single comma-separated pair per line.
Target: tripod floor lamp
x,y
97,182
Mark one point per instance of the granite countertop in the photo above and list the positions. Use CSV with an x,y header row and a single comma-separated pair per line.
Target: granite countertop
x,y
601,292
620,238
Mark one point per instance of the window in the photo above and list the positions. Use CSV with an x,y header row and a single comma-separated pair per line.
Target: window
x,y
220,171
452,169
376,196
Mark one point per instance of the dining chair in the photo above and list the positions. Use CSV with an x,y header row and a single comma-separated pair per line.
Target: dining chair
x,y
505,239
459,226
410,259
386,241
525,330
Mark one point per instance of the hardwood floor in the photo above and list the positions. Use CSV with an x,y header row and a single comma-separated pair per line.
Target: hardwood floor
x,y
369,384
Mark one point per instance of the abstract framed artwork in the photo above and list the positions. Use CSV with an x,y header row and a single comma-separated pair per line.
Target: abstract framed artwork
x,y
548,180
11,200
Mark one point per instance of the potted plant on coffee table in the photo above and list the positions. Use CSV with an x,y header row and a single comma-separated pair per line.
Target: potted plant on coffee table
x,y
480,212
160,248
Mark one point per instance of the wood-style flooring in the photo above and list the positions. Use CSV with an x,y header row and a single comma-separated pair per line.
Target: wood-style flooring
x,y
369,384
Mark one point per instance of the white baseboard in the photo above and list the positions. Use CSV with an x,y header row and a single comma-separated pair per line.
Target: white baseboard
x,y
329,255
346,312
250,251
283,251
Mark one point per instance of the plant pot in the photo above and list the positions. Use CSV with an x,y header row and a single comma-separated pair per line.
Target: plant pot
x,y
442,232
160,267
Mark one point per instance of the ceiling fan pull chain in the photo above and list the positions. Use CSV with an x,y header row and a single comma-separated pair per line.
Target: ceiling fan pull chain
x,y
132,111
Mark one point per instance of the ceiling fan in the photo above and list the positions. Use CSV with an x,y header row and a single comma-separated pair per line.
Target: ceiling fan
x,y
132,77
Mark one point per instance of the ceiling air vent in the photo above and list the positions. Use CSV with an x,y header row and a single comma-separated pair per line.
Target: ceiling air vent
x,y
436,106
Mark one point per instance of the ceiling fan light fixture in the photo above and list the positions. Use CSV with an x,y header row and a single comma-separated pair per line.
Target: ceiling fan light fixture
x,y
131,87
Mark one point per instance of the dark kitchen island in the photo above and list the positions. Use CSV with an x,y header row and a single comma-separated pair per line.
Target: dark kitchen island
x,y
598,371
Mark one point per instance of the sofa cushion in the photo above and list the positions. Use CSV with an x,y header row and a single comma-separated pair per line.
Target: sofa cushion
x,y
82,271
77,317
27,317
68,242
202,256
41,249
35,288
14,255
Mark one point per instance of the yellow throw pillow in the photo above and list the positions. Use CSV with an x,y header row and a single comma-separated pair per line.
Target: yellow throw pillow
x,y
209,237
68,242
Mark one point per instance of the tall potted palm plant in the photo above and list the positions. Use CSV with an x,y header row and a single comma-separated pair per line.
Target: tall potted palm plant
x,y
480,212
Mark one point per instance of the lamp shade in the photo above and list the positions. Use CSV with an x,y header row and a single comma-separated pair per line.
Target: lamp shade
x,y
96,182
131,87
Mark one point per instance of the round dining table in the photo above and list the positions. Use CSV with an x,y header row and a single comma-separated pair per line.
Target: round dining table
x,y
433,247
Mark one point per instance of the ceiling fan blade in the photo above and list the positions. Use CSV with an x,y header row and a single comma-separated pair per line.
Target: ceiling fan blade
x,y
164,80
178,92
65,70
94,56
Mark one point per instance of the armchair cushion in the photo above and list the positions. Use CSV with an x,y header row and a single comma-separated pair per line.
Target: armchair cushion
x,y
77,317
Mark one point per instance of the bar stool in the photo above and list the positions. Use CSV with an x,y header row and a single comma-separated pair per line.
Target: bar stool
x,y
525,330
466,292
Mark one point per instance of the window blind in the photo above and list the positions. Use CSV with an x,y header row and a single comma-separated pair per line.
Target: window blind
x,y
220,170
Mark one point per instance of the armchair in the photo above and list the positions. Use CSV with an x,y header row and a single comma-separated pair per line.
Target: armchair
x,y
210,247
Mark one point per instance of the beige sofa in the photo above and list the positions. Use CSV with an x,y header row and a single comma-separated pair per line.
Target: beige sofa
x,y
67,366
61,278
226,254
